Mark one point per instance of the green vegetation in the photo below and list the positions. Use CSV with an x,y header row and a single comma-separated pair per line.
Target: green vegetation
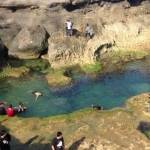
x,y
57,78
124,55
34,64
13,72
91,68
63,76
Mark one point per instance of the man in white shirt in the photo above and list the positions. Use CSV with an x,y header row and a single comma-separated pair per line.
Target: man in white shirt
x,y
69,29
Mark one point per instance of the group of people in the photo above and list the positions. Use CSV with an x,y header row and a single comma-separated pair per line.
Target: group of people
x,y
89,32
57,142
10,110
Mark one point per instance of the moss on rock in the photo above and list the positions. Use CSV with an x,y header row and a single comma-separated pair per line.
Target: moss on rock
x,y
57,78
13,72
91,68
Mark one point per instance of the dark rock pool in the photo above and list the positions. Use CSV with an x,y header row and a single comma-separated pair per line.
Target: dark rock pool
x,y
109,91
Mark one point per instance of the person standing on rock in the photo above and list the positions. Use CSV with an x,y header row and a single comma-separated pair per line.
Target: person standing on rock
x,y
69,28
89,33
58,142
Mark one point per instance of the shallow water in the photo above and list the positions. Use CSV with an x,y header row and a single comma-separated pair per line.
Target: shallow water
x,y
109,91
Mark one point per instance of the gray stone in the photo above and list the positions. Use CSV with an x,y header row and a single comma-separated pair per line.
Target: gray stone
x,y
30,42
8,32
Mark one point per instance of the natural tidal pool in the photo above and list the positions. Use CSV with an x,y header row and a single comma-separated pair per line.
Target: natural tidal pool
x,y
110,90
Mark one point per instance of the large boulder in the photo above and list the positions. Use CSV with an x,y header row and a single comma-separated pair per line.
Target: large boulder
x,y
25,4
30,42
3,53
8,32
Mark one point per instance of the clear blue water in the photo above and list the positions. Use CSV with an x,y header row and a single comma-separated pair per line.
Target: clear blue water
x,y
109,91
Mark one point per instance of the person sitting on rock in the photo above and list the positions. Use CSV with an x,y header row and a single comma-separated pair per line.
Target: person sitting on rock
x,y
97,107
2,108
69,28
10,111
20,108
89,33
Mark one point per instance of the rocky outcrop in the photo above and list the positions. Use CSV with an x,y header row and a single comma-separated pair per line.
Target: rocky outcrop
x,y
116,28
131,36
30,42
114,37
24,4
46,3
116,129
123,31
3,53
65,51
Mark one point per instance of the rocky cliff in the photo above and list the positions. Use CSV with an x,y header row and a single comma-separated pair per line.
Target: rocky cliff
x,y
116,27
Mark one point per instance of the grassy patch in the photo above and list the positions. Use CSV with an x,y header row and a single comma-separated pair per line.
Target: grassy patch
x,y
13,72
91,68
125,55
57,78
34,64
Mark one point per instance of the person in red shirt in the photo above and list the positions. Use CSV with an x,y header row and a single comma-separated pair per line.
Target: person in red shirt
x,y
10,111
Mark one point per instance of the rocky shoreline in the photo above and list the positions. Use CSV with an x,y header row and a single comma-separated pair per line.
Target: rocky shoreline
x,y
114,129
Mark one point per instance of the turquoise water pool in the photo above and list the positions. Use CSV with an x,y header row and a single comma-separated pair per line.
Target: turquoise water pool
x,y
109,91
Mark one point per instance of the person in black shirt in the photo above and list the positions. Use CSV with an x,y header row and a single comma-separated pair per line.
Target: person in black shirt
x,y
58,142
5,139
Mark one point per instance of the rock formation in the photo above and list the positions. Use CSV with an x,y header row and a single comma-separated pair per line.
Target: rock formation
x,y
29,42
116,27
124,31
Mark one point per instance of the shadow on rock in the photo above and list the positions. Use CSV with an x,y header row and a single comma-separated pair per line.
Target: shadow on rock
x,y
76,144
144,127
29,145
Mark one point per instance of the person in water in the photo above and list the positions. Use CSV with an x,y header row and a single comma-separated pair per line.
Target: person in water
x,y
5,139
58,142
97,107
20,108
2,108
10,111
